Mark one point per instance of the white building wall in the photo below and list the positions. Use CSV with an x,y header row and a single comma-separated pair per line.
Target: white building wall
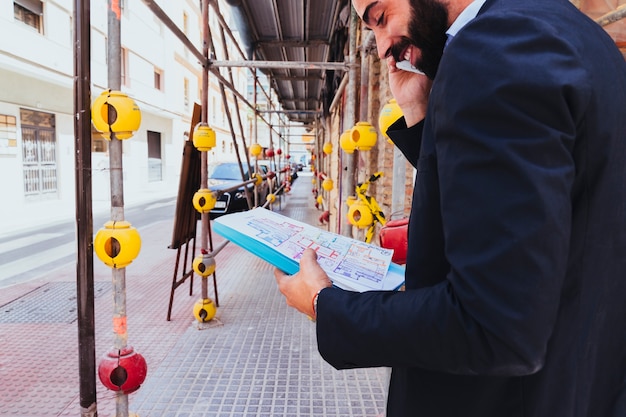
x,y
36,73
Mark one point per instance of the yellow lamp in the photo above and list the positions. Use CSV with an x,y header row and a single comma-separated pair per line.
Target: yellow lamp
x,y
204,310
360,215
204,265
255,149
204,200
389,114
346,142
203,137
258,179
125,116
364,136
117,244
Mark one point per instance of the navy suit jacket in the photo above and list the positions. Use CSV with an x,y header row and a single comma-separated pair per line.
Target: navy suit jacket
x,y
515,301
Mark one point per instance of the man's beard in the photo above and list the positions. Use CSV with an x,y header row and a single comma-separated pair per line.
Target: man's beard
x,y
427,31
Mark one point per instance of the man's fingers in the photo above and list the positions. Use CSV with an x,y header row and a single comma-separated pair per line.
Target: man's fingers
x,y
280,275
315,274
308,259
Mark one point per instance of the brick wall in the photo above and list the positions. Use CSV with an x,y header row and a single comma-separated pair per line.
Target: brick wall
x,y
380,158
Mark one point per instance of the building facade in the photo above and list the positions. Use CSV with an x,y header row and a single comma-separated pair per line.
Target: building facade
x,y
36,102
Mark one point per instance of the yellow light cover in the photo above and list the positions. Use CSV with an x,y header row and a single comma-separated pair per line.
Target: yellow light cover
x,y
389,114
204,137
346,142
360,215
204,200
255,149
125,117
204,310
364,136
204,265
258,179
117,244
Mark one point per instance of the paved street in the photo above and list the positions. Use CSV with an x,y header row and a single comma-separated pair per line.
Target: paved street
x,y
30,253
258,358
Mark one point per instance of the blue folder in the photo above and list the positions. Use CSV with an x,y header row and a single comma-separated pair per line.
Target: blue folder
x,y
392,281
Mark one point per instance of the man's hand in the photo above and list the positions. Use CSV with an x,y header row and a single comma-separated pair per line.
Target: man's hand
x,y
411,91
299,289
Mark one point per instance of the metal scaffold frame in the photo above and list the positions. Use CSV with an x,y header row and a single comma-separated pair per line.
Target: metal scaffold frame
x,y
213,67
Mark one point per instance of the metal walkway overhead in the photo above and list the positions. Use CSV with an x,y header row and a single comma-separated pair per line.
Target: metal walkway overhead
x,y
299,45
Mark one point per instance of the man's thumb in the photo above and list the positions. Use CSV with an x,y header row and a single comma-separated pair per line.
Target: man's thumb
x,y
309,258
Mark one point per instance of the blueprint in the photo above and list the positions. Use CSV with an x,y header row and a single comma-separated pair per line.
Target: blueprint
x,y
350,263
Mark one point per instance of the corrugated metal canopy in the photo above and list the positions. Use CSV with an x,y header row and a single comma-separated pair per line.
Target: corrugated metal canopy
x,y
296,31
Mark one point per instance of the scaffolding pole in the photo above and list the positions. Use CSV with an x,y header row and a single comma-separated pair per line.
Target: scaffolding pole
x,y
204,117
84,216
348,180
302,65
114,72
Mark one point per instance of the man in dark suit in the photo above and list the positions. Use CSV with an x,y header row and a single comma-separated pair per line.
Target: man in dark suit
x,y
515,301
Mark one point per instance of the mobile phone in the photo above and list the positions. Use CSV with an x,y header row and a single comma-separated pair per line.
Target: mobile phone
x,y
407,66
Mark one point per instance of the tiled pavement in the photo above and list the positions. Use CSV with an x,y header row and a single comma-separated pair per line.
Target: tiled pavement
x,y
259,359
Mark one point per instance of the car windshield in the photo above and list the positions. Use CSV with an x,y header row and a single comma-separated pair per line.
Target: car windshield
x,y
227,171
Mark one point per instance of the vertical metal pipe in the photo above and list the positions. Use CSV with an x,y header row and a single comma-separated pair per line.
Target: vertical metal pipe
x,y
271,128
288,141
327,125
365,82
235,98
84,208
114,80
348,180
363,98
269,107
251,201
256,106
204,117
256,116
114,73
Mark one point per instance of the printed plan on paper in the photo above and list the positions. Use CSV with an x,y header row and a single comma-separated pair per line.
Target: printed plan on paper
x,y
350,263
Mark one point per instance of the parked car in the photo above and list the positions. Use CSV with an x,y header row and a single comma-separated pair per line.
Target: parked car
x,y
226,175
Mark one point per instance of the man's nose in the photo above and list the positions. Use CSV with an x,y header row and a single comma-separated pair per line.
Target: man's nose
x,y
383,46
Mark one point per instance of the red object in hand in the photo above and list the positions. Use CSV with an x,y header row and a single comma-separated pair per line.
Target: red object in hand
x,y
394,235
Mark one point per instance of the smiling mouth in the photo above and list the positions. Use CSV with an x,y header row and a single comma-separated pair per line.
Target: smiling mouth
x,y
407,54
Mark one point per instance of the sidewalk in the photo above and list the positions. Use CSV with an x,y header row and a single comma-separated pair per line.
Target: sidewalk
x,y
259,359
